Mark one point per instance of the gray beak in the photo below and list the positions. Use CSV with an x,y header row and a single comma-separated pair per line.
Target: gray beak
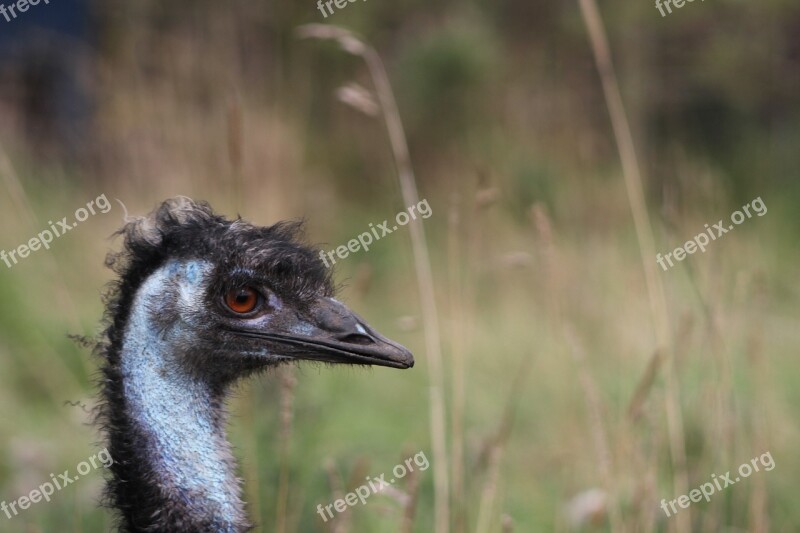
x,y
332,333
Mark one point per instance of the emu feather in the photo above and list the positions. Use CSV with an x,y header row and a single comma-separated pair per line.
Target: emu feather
x,y
201,302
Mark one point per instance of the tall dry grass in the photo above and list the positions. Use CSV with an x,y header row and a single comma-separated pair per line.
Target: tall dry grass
x,y
422,262
644,232
593,425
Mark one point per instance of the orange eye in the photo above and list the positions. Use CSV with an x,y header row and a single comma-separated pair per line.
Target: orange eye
x,y
242,301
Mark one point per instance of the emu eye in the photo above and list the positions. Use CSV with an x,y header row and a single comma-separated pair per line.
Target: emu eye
x,y
242,300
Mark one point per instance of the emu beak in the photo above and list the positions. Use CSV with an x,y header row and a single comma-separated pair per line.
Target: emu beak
x,y
341,336
332,333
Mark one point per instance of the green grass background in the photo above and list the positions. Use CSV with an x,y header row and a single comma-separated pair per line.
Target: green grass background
x,y
531,232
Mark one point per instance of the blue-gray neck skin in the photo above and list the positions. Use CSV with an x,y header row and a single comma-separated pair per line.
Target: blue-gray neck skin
x,y
179,416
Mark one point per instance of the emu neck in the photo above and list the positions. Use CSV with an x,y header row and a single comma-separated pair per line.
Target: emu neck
x,y
188,467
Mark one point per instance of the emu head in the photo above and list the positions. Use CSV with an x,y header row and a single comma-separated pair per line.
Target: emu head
x,y
230,298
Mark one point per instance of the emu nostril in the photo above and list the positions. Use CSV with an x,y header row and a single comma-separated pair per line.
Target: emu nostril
x,y
335,322
356,338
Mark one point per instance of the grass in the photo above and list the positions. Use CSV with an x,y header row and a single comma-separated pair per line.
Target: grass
x,y
551,382
348,416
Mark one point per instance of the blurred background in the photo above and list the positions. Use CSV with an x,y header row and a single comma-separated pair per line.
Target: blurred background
x,y
574,400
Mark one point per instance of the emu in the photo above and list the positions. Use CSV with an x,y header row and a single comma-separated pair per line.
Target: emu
x,y
200,303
